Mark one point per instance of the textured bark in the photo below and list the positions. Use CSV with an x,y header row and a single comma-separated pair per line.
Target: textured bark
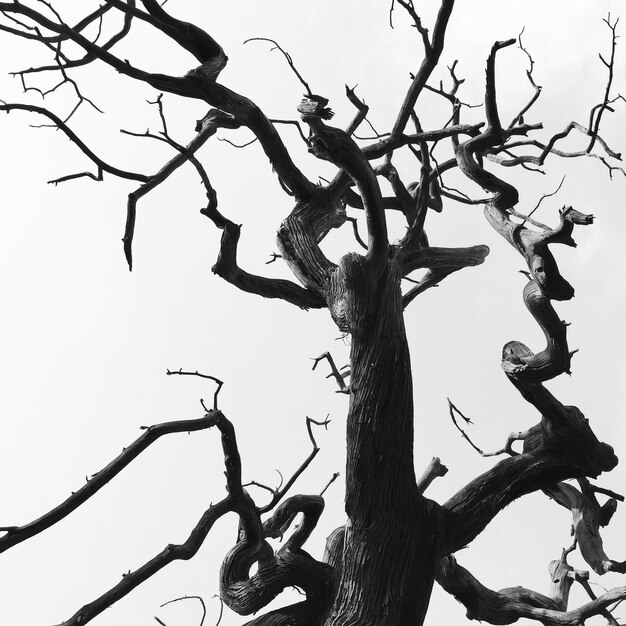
x,y
390,541
562,445
509,605
300,614
290,566
587,518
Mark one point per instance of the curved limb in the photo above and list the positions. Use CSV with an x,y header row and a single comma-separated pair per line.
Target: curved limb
x,y
226,267
299,236
533,245
587,517
289,566
407,203
336,146
299,614
505,195
188,36
561,446
519,362
587,513
509,605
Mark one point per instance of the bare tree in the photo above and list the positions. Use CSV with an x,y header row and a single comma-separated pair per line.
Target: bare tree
x,y
380,566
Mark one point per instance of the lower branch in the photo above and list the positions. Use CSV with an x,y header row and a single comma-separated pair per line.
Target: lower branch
x,y
300,614
484,604
187,550
171,553
587,517
289,567
509,605
17,534
561,446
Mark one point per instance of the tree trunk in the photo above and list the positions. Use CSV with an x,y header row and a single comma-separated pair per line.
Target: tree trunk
x,y
389,547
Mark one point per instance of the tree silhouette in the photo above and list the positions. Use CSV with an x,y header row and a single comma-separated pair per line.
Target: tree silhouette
x,y
380,565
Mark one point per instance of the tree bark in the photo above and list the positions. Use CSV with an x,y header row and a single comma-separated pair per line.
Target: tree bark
x,y
389,548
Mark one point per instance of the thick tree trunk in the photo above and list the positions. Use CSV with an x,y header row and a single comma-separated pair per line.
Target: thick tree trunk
x,y
389,547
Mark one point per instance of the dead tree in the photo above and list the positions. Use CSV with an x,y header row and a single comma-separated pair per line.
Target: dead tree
x,y
379,568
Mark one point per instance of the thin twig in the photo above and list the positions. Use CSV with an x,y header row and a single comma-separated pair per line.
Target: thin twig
x,y
289,60
519,118
189,598
329,483
355,230
506,449
282,491
291,123
546,195
238,145
219,382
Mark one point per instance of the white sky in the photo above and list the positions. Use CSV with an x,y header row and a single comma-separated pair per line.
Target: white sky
x,y
84,345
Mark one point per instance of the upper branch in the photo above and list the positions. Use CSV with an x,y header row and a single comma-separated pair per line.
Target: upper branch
x,y
333,144
59,123
188,36
290,566
505,195
431,58
595,116
88,57
196,84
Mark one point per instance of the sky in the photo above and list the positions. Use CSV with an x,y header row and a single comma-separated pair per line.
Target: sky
x,y
84,344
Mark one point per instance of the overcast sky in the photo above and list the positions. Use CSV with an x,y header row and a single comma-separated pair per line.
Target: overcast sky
x,y
84,344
